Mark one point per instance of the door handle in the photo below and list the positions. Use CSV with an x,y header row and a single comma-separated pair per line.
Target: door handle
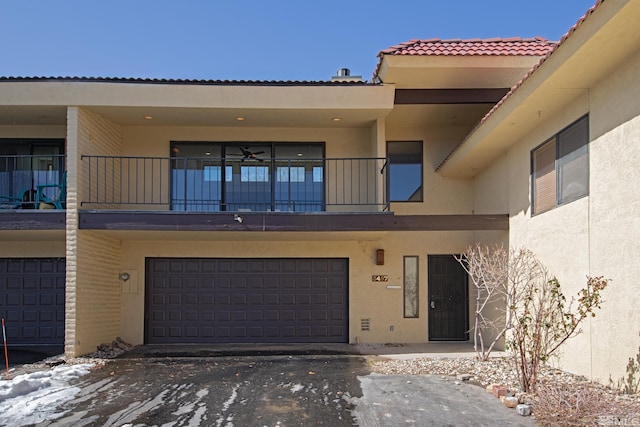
x,y
433,304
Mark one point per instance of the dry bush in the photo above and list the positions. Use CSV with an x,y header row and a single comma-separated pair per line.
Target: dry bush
x,y
583,404
487,268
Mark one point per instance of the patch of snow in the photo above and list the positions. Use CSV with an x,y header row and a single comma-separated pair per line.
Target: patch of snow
x,y
296,388
35,397
134,409
225,407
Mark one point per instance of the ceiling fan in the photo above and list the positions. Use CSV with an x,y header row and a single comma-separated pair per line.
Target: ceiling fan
x,y
247,154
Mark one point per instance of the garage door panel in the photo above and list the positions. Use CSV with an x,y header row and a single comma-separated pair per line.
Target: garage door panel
x,y
159,315
32,298
271,315
287,283
272,266
247,300
303,299
304,315
239,299
255,283
256,315
14,300
321,331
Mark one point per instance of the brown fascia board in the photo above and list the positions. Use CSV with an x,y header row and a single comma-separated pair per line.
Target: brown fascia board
x,y
449,96
281,221
29,220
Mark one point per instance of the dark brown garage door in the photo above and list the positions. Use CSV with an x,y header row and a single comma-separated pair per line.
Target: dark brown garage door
x,y
207,300
32,294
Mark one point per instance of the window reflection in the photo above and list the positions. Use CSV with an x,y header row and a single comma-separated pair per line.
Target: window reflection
x,y
405,171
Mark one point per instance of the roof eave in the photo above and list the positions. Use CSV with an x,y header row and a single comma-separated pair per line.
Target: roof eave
x,y
555,81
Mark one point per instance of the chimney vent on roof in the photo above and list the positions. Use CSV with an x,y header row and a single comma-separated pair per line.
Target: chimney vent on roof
x,y
344,75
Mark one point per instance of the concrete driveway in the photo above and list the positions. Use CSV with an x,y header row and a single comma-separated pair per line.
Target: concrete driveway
x,y
147,388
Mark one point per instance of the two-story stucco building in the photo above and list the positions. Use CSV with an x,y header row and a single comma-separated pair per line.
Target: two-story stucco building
x,y
182,211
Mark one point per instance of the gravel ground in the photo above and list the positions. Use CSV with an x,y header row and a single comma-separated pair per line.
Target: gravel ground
x,y
564,399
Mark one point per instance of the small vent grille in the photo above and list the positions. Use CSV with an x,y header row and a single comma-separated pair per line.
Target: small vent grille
x,y
365,324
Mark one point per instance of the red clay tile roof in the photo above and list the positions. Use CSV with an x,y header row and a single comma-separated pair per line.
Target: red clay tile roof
x,y
514,46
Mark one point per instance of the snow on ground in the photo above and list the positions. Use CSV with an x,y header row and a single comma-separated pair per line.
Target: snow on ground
x,y
34,397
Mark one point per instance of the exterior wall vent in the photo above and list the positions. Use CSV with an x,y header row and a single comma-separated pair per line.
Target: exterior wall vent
x,y
365,324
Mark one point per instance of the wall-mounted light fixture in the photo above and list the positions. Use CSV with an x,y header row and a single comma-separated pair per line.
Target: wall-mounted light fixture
x,y
237,218
380,257
124,276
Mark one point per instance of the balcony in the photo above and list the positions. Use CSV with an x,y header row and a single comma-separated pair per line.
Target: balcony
x,y
32,192
212,194
209,185
33,181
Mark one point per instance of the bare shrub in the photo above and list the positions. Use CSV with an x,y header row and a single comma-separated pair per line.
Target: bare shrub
x,y
528,307
582,404
545,321
487,268
630,384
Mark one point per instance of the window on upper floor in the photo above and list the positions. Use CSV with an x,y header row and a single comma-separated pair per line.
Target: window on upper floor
x,y
26,164
259,176
560,168
405,171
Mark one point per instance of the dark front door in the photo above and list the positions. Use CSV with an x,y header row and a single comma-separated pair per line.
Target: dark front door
x,y
246,300
448,299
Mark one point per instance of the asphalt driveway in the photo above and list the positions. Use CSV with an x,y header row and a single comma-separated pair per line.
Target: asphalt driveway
x,y
272,390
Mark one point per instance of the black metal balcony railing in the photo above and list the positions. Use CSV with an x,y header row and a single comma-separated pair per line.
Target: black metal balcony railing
x,y
222,184
26,180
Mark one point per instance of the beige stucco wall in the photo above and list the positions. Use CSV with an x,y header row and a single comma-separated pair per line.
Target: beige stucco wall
x,y
33,248
441,195
154,140
614,213
367,299
595,235
20,131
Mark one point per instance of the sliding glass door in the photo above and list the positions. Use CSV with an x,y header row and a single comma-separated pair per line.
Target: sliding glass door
x,y
238,176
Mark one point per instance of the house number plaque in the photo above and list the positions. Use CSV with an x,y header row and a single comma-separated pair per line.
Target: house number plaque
x,y
379,278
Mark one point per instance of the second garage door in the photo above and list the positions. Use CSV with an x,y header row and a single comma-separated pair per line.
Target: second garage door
x,y
204,300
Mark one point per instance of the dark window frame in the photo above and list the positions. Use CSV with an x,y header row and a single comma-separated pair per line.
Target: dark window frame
x,y
558,193
271,161
420,197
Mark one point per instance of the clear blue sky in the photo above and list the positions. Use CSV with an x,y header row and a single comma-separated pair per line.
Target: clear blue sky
x,y
250,39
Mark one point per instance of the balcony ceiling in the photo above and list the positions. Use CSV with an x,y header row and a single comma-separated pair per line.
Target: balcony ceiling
x,y
33,115
143,104
173,116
